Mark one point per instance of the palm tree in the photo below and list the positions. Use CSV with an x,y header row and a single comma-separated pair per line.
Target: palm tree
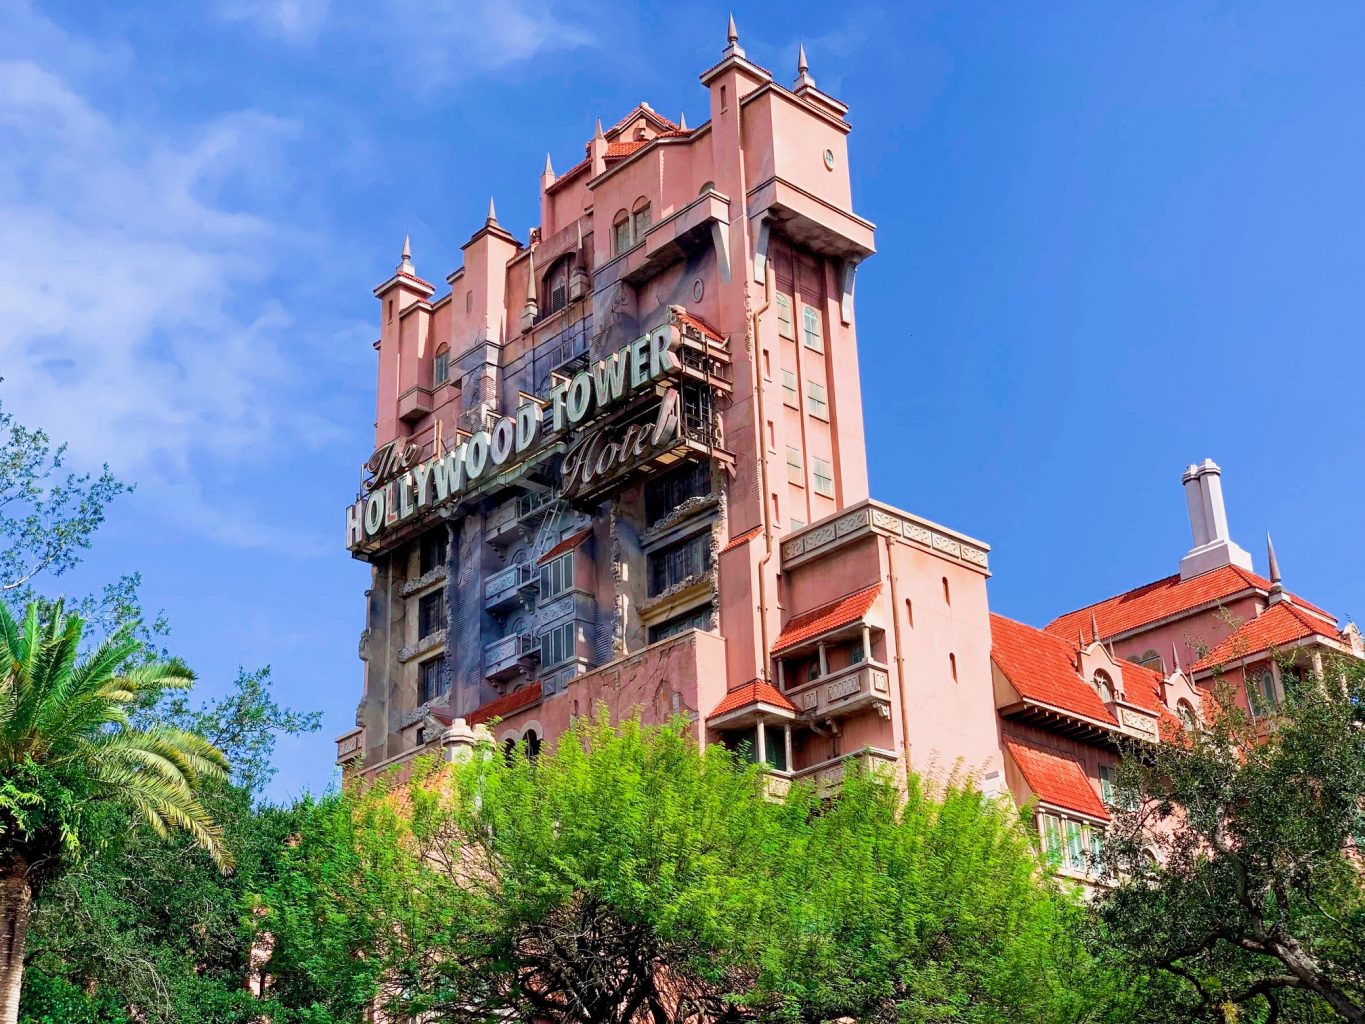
x,y
66,742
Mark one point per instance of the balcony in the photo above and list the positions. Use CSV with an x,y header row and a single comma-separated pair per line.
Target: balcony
x,y
503,658
413,404
532,507
847,691
501,522
503,588
350,746
827,777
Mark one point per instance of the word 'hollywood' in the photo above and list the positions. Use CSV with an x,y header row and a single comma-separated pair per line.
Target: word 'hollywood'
x,y
400,486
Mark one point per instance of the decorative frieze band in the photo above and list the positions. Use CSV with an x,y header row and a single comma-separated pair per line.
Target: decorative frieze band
x,y
866,518
428,643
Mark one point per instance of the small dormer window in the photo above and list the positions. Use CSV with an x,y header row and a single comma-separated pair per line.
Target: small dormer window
x,y
440,367
1105,687
1187,714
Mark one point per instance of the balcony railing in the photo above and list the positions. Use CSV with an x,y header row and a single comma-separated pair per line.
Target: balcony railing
x,y
503,655
846,691
828,776
503,586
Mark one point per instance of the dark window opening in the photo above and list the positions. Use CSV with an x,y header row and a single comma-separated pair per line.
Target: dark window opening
x,y
697,618
679,562
665,493
431,551
430,684
431,614
744,744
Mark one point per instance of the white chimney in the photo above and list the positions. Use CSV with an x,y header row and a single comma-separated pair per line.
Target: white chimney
x,y
1213,548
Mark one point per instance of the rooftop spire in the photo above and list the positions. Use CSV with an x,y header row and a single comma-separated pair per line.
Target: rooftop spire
x,y
1277,594
732,47
1094,629
549,169
492,213
1175,658
405,264
803,78
682,121
598,133
801,66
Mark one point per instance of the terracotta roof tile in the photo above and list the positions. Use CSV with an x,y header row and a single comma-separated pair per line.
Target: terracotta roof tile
x,y
501,707
700,324
827,617
567,544
743,538
617,150
1277,626
1160,600
1056,778
1042,667
755,691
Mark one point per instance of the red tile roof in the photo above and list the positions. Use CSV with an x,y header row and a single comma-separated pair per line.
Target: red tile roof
x,y
1056,778
501,707
1277,626
755,691
743,538
695,321
1043,668
567,544
809,625
616,150
1160,600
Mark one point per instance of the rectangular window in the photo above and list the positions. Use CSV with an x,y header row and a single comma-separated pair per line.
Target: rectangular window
x,y
620,236
785,327
431,614
440,371
824,477
789,388
679,562
431,550
1050,831
816,400
640,222
697,618
796,473
1107,784
665,493
1075,846
429,685
745,743
556,576
557,645
812,335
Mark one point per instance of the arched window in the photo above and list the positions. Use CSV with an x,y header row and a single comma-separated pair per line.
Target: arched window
x,y
639,219
440,367
557,286
1187,714
532,742
1105,686
707,186
620,233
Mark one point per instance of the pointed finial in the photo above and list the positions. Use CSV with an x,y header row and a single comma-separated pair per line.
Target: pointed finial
x,y
579,247
682,121
1094,629
801,66
531,279
732,34
1080,637
598,133
492,213
549,168
1274,567
1175,658
405,264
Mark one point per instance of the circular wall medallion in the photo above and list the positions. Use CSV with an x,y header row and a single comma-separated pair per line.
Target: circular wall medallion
x,y
698,290
829,159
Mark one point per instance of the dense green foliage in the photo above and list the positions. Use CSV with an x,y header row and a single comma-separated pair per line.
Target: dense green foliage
x,y
1258,905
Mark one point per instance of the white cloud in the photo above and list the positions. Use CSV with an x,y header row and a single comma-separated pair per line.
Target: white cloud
x,y
295,21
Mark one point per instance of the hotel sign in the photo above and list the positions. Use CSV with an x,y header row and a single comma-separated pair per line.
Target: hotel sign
x,y
402,485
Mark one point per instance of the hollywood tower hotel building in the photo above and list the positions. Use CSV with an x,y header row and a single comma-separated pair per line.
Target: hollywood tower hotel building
x,y
622,461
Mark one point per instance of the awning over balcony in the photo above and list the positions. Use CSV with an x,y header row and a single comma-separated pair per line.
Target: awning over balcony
x,y
744,702
828,618
1056,779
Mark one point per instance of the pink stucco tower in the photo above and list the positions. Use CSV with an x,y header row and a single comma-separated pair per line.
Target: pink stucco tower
x,y
622,462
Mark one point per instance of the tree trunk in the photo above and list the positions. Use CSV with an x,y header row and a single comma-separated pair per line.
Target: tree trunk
x,y
16,903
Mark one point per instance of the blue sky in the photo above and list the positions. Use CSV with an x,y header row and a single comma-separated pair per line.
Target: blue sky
x,y
1114,239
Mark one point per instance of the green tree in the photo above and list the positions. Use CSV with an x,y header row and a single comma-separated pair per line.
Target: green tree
x,y
1238,870
67,748
150,925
